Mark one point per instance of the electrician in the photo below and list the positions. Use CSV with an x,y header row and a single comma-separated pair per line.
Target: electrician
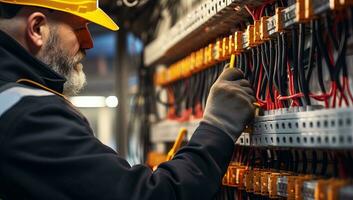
x,y
47,148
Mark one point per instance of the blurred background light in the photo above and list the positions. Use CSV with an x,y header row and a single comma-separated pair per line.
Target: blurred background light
x,y
112,101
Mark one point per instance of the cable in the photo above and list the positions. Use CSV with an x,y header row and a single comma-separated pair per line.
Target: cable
x,y
283,69
294,59
302,78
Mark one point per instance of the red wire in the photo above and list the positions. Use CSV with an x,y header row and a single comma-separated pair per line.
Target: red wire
x,y
348,88
261,102
268,99
250,12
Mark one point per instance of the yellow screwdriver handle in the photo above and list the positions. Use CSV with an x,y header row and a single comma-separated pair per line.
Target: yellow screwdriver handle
x,y
177,143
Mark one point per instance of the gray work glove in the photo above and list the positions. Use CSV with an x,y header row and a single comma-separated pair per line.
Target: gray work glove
x,y
229,105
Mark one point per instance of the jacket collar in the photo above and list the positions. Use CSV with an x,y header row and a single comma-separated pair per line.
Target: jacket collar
x,y
16,63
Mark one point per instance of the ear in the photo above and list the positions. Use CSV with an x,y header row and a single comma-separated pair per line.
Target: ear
x,y
36,30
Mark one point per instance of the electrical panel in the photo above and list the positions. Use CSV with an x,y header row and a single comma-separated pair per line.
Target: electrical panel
x,y
297,55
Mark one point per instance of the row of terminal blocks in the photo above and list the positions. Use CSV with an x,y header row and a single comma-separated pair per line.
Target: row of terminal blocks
x,y
211,17
255,34
217,15
286,184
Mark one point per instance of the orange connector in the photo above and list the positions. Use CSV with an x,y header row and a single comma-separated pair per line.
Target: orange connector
x,y
279,20
257,32
231,49
249,181
250,37
321,189
334,187
218,49
186,67
232,171
199,64
346,2
291,187
272,185
205,60
192,61
238,42
160,77
225,47
264,35
257,181
299,181
210,54
336,4
309,11
300,11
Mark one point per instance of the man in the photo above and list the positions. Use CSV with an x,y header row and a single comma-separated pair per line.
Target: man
x,y
47,148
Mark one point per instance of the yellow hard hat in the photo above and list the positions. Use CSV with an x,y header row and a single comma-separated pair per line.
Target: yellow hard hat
x,y
87,9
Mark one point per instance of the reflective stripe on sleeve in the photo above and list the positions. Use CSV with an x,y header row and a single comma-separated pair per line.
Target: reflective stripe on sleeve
x,y
11,96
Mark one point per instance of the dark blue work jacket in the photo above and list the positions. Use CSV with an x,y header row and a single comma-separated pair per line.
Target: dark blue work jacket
x,y
48,150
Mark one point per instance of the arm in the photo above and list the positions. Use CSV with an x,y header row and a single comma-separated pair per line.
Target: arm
x,y
47,151
51,153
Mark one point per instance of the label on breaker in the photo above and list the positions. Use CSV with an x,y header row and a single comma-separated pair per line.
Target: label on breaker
x,y
282,183
289,15
309,190
271,25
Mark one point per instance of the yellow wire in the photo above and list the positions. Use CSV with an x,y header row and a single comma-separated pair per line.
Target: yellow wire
x,y
232,61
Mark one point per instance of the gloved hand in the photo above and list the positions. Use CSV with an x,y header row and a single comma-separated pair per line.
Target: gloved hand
x,y
229,105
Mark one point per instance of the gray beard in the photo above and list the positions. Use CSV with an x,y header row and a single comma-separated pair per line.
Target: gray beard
x,y
61,63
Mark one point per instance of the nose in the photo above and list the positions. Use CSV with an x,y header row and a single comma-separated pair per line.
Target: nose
x,y
85,38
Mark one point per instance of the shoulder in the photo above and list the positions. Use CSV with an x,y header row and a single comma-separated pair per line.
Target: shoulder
x,y
13,93
36,111
19,101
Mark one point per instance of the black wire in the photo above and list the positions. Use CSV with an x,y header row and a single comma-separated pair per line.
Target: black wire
x,y
264,60
190,92
246,67
177,100
205,87
271,59
180,91
324,164
328,24
278,64
242,63
320,72
263,87
344,51
302,78
296,160
305,163
312,51
323,49
283,69
351,19
238,61
257,66
314,162
340,64
295,61
196,95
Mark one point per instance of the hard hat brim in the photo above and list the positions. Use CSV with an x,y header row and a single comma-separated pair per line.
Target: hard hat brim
x,y
98,17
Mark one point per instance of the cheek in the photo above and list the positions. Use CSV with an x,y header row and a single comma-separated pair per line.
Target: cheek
x,y
70,43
